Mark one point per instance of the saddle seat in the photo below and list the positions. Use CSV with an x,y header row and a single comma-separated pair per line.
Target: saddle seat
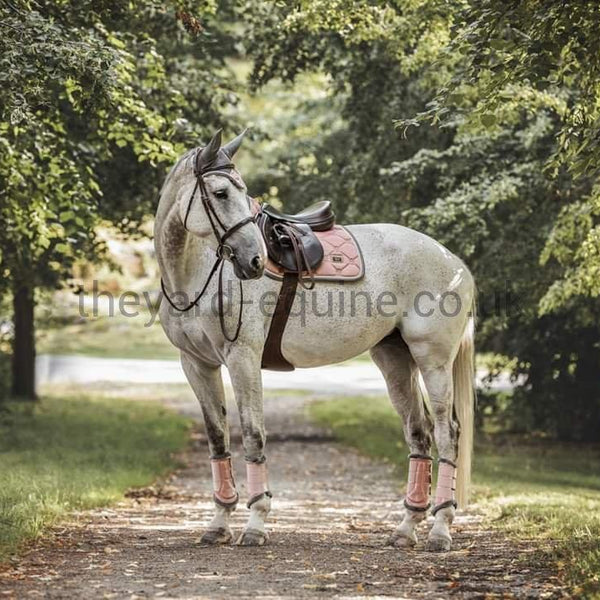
x,y
318,216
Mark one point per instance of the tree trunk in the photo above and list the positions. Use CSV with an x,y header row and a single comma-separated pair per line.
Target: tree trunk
x,y
23,359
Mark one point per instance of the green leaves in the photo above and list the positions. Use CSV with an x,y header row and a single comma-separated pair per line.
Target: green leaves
x,y
574,243
480,68
90,93
488,120
495,153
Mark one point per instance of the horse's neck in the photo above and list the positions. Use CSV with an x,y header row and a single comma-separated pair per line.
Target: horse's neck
x,y
182,256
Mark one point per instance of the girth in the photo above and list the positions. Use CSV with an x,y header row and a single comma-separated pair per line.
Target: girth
x,y
272,357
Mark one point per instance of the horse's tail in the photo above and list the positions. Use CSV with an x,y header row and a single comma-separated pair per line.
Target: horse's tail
x,y
464,401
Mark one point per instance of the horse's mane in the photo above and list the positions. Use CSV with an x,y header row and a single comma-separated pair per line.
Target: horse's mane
x,y
181,165
177,167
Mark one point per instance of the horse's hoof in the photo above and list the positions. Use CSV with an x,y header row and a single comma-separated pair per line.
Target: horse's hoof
x,y
252,537
221,535
439,544
401,540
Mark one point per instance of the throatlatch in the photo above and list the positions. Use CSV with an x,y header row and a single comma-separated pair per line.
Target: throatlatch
x,y
256,477
446,485
419,482
225,493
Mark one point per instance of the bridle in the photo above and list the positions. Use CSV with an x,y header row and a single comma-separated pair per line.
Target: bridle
x,y
221,233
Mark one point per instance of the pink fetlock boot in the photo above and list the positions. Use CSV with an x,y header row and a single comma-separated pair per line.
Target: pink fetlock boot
x,y
419,483
446,485
256,477
225,493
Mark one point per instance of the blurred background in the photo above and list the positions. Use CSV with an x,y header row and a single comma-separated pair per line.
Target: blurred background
x,y
476,123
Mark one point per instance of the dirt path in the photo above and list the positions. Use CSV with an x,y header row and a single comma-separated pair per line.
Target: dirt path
x,y
332,513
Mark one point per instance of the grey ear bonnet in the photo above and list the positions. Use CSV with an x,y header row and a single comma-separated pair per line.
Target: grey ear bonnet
x,y
213,157
233,146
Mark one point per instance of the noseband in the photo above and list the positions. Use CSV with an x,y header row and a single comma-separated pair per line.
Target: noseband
x,y
222,234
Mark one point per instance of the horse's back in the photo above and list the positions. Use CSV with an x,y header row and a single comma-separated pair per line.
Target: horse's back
x,y
417,258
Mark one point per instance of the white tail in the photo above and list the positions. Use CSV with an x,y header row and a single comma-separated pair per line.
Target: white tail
x,y
464,401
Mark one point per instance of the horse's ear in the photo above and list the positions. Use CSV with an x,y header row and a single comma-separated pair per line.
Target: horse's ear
x,y
233,146
210,151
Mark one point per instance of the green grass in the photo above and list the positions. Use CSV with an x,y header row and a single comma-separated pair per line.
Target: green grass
x,y
76,452
108,337
529,489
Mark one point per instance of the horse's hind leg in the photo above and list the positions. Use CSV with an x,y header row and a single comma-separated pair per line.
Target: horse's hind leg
x,y
394,360
435,363
208,388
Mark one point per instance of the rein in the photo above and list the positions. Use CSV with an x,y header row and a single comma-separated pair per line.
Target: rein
x,y
224,251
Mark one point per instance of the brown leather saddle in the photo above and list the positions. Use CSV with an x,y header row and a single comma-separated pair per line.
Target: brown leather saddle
x,y
291,244
318,216
290,240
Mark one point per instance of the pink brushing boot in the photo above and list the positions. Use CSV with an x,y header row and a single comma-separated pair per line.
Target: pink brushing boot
x,y
445,506
419,483
225,493
416,501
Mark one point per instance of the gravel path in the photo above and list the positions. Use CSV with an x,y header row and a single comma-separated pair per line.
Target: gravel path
x,y
332,513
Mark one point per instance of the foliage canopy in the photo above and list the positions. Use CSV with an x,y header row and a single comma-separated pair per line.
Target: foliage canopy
x,y
475,122
493,154
95,97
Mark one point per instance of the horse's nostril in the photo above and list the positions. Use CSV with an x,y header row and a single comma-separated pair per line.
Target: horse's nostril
x,y
257,263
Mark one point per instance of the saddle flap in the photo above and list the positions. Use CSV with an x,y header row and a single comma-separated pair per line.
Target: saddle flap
x,y
292,246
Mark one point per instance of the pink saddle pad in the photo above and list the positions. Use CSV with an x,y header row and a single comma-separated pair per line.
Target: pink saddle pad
x,y
342,259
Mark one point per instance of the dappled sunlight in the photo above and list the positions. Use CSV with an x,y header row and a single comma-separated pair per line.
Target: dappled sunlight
x,y
545,493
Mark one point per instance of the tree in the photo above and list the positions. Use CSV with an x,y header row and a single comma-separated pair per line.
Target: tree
x,y
96,98
485,169
535,56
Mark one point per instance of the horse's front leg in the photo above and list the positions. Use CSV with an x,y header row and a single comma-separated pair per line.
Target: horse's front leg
x,y
243,363
207,384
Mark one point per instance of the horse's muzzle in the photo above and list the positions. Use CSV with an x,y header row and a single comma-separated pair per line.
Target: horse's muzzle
x,y
253,270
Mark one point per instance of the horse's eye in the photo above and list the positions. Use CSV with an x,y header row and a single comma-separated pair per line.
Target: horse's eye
x,y
221,194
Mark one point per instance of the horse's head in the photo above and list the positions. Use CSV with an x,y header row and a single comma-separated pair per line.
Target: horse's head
x,y
220,208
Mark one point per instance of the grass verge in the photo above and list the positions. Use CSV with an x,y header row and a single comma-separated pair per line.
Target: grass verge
x,y
108,337
76,452
534,490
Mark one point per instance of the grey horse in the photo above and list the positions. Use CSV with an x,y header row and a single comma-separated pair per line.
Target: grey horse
x,y
412,310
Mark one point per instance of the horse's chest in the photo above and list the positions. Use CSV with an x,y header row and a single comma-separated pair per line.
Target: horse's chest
x,y
194,332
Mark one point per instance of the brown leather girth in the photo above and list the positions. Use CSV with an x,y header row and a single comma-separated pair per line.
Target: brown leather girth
x,y
272,357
